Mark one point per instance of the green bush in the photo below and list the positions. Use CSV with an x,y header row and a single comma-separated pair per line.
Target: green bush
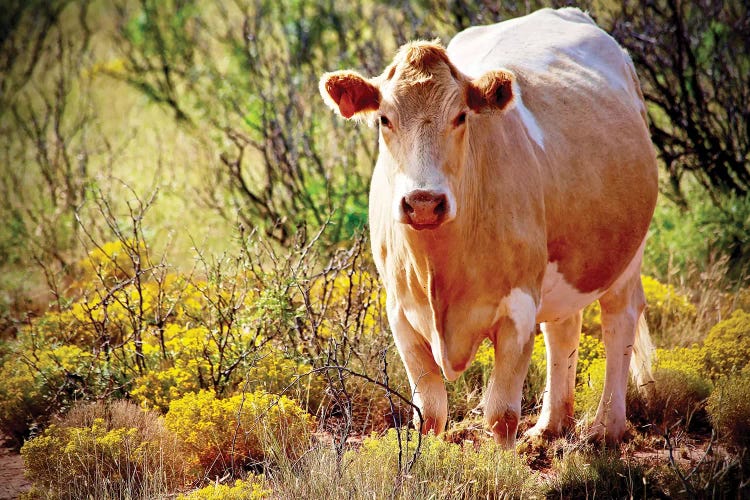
x,y
680,240
256,428
729,408
104,451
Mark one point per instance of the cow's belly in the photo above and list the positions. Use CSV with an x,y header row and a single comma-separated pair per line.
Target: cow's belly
x,y
560,299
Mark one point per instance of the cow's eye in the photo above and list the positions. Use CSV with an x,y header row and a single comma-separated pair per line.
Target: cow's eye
x,y
384,121
460,119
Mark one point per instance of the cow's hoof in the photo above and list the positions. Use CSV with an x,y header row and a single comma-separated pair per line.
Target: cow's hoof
x,y
541,432
532,443
504,429
599,435
430,424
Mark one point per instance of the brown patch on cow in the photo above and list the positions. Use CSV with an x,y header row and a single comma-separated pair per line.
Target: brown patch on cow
x,y
351,92
579,254
493,90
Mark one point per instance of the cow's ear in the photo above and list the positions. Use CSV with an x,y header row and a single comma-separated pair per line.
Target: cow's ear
x,y
349,93
491,91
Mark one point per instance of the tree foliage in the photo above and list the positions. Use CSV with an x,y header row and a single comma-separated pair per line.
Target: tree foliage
x,y
693,59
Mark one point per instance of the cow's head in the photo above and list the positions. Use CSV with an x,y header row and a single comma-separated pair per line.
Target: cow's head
x,y
425,109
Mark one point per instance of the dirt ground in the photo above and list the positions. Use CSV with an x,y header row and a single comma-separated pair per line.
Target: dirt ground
x,y
12,481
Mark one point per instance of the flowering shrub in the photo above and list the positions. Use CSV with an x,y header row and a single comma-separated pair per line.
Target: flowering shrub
x,y
249,489
476,377
36,383
592,320
352,303
114,451
666,306
533,388
156,388
590,352
244,429
726,348
110,262
275,371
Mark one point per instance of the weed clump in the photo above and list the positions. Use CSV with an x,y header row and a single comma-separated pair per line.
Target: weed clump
x,y
680,387
729,409
597,475
441,470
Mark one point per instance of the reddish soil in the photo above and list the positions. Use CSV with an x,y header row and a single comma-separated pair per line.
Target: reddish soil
x,y
12,480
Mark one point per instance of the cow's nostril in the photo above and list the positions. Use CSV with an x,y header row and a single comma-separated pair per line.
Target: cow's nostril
x,y
408,209
442,206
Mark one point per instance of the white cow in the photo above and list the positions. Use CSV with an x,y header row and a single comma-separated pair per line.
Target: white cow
x,y
515,184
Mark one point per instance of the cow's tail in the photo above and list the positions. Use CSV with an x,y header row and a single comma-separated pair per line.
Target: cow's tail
x,y
643,353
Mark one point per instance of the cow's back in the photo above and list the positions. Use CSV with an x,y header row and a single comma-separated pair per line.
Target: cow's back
x,y
585,117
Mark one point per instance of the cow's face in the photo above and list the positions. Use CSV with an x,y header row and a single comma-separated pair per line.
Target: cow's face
x,y
424,108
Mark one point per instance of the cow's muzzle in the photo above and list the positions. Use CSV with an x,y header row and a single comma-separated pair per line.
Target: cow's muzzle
x,y
424,209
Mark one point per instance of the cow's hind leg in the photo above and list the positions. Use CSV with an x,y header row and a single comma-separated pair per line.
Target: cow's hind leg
x,y
622,307
561,339
428,388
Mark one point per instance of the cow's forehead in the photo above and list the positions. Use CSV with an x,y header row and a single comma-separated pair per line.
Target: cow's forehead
x,y
421,80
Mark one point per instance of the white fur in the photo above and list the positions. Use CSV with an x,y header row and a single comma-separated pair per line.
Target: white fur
x,y
560,299
532,126
520,307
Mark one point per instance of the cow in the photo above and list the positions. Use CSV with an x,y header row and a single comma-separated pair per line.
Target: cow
x,y
514,185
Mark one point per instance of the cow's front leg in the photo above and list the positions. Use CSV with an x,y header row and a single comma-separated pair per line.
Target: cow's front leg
x,y
502,400
427,386
561,339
